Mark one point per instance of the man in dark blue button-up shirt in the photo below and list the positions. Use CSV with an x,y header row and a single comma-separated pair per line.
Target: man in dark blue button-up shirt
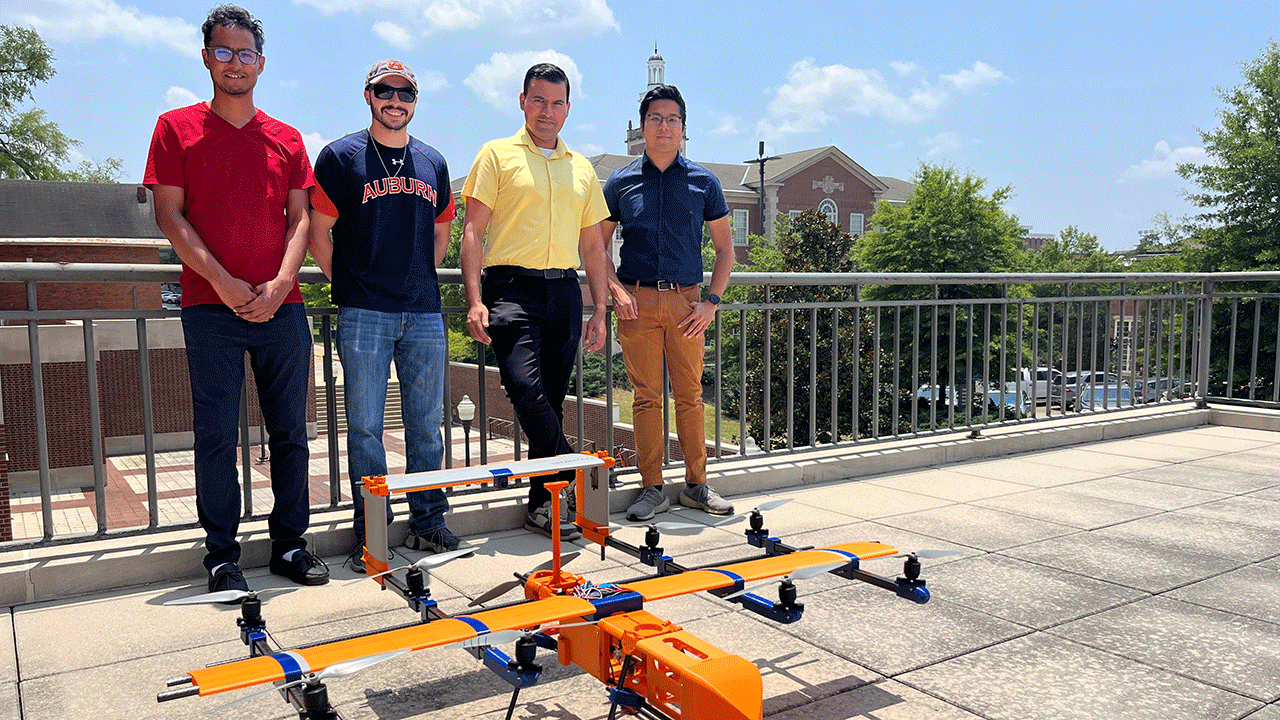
x,y
662,201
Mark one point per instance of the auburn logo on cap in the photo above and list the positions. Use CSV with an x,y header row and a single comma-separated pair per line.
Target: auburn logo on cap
x,y
395,65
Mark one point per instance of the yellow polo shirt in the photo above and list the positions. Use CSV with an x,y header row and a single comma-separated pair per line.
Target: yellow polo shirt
x,y
539,203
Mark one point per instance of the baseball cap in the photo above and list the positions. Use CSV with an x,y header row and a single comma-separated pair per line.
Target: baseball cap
x,y
387,68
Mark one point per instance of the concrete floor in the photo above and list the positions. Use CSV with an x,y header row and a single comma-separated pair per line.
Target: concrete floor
x,y
1125,579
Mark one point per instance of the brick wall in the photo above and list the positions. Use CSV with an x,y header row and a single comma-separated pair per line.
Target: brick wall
x,y
6,522
81,296
66,422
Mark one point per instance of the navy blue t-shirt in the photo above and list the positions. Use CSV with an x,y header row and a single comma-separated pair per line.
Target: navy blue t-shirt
x,y
661,214
384,236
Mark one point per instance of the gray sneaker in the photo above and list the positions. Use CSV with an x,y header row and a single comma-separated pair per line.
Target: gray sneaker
x,y
704,497
539,521
650,502
437,541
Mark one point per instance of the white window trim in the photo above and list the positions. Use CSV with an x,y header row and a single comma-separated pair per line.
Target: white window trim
x,y
861,227
743,231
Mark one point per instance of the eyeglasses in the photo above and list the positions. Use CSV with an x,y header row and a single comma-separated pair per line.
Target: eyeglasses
x,y
224,55
672,121
384,92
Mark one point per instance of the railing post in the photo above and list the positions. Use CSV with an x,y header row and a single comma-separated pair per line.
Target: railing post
x,y
331,411
95,426
1204,329
37,401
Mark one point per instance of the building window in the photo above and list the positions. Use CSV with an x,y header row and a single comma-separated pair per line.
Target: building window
x,y
828,207
741,223
856,227
794,213
617,233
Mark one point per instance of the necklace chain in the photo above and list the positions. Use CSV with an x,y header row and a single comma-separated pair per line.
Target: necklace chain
x,y
398,163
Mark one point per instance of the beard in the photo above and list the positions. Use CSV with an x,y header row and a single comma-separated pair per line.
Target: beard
x,y
392,123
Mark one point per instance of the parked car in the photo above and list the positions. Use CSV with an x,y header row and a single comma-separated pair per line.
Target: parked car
x,y
1066,390
1010,403
1098,397
1160,390
1040,382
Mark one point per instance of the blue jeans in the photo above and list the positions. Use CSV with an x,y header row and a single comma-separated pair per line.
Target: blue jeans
x,y
280,355
368,341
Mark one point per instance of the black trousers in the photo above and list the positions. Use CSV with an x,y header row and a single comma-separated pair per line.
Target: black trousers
x,y
535,325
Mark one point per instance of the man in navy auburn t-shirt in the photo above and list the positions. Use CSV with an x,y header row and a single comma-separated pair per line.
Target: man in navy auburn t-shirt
x,y
385,196
230,187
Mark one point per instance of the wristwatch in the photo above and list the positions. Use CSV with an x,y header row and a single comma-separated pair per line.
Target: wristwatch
x,y
714,299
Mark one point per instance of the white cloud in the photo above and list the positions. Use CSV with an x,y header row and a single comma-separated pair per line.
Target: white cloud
x,y
94,19
1165,164
977,76
943,142
724,124
815,96
541,18
589,149
904,68
176,97
499,81
393,35
314,144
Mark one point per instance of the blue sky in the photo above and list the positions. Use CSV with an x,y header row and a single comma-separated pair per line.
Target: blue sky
x,y
1084,108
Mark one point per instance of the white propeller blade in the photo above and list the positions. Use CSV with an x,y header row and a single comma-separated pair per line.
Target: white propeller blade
x,y
801,574
225,596
346,667
929,554
425,563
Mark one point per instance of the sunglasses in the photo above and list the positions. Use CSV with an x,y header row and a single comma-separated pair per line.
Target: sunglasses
x,y
224,55
385,92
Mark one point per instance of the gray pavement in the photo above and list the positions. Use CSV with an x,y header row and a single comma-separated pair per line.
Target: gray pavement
x,y
1123,579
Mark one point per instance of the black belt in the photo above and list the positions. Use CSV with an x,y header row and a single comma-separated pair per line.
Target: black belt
x,y
517,271
661,285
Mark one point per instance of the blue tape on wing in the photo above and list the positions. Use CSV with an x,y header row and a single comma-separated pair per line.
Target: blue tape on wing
x,y
500,476
293,670
475,624
721,592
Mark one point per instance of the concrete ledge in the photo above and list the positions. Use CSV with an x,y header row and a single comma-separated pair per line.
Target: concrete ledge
x,y
46,573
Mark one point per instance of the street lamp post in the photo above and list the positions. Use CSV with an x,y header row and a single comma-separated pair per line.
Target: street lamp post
x,y
466,413
761,161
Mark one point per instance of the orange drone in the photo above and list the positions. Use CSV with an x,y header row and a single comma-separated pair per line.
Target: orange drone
x,y
651,667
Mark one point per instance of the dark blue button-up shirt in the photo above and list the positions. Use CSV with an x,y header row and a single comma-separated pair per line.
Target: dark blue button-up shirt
x,y
661,214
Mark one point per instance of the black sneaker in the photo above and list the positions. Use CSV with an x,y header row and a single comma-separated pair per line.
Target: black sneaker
x,y
539,521
355,558
228,577
304,568
437,541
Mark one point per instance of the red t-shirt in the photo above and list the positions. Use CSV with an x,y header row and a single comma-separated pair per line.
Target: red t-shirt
x,y
237,182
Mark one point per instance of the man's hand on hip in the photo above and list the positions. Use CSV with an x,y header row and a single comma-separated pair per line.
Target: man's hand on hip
x,y
699,319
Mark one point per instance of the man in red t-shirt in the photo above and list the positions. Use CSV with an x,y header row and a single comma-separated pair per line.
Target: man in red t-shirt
x,y
230,186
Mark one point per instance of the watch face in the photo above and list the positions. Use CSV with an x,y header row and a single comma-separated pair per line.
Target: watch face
x,y
713,299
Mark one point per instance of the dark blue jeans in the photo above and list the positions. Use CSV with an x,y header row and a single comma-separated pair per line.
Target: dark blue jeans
x,y
535,325
280,355
368,342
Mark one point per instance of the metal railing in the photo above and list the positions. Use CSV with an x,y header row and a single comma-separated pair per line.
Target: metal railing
x,y
803,361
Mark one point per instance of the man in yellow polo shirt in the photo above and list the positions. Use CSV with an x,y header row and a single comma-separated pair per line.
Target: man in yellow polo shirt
x,y
542,205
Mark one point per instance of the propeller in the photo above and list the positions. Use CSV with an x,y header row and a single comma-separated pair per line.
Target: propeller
x,y
801,574
227,596
928,554
346,667
509,585
425,563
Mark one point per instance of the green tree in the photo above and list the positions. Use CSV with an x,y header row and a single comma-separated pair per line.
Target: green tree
x,y
31,145
1239,199
1240,187
947,226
